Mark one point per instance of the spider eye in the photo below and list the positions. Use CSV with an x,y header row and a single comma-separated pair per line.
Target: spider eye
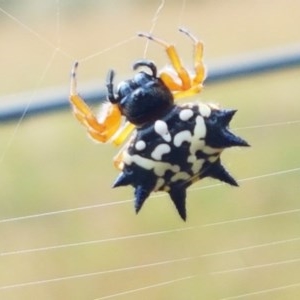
x,y
124,88
127,87
142,78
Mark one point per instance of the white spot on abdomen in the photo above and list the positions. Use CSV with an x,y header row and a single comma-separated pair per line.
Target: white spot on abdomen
x,y
204,110
161,128
196,163
197,143
158,167
209,150
159,184
200,128
183,136
160,150
180,176
185,114
140,145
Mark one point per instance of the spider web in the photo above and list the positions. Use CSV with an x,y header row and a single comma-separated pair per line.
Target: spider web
x,y
67,235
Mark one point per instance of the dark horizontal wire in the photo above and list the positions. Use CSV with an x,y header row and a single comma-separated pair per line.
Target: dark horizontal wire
x,y
12,107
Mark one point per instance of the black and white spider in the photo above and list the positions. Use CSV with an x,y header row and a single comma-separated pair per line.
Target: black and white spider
x,y
171,145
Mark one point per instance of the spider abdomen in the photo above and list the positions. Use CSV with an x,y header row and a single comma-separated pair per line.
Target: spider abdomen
x,y
177,150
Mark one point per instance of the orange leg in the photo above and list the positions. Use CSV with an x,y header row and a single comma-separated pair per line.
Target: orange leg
x,y
184,84
198,58
99,130
118,159
176,64
123,133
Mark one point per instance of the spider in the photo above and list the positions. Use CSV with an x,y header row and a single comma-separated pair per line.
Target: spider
x,y
171,145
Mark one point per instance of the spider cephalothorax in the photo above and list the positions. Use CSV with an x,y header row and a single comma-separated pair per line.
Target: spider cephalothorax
x,y
173,145
143,98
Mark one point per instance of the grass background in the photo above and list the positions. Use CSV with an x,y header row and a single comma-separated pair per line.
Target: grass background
x,y
48,164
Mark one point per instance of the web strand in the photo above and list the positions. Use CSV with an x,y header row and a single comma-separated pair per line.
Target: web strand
x,y
254,267
278,124
80,276
165,262
160,284
100,241
28,29
17,127
180,17
153,24
98,53
284,172
58,25
150,234
36,34
56,47
265,291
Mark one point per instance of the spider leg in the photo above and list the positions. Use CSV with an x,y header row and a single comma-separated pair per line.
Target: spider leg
x,y
187,85
118,159
100,131
176,64
198,58
123,133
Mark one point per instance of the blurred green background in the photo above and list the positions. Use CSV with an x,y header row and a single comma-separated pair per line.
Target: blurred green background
x,y
48,164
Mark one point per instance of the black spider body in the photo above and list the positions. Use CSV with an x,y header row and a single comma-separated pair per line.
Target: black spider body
x,y
171,145
174,145
142,99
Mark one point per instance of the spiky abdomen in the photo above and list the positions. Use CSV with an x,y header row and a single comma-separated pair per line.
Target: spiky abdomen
x,y
172,153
